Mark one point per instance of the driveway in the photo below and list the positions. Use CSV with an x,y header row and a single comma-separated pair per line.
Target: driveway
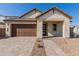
x,y
17,46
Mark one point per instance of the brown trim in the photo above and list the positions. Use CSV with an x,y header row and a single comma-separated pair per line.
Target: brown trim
x,y
55,8
30,11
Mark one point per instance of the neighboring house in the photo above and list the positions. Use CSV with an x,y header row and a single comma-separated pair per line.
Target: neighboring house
x,y
2,29
2,26
53,22
75,31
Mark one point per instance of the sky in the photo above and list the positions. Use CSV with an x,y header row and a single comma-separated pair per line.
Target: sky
x,y
17,9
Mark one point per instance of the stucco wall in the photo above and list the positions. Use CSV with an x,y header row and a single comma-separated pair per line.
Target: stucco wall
x,y
66,28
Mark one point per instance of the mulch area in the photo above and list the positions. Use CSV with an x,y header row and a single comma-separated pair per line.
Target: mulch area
x,y
38,49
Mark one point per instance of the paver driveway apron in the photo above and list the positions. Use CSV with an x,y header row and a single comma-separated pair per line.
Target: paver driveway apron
x,y
17,46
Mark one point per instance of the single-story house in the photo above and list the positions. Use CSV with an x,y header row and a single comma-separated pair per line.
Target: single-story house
x,y
53,22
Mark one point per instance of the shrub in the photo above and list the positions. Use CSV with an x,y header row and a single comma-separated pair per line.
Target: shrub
x,y
39,46
38,40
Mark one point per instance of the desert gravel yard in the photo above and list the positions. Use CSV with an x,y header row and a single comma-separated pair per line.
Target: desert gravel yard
x,y
26,46
17,46
61,46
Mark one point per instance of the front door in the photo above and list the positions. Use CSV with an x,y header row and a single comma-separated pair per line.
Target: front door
x,y
44,29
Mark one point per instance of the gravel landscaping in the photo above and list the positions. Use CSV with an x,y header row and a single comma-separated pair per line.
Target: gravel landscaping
x,y
16,46
62,46
52,49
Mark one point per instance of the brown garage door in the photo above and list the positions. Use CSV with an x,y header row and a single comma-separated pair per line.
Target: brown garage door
x,y
24,30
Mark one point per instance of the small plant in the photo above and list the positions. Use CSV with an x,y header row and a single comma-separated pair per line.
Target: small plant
x,y
38,40
39,46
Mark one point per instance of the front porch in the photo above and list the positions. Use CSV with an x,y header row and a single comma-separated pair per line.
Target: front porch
x,y
52,29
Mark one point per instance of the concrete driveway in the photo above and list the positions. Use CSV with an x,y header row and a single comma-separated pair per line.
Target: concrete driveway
x,y
17,46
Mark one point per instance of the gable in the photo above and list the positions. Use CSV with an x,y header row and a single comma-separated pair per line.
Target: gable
x,y
31,14
53,14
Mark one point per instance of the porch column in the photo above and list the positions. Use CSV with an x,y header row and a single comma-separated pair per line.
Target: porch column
x,y
66,29
8,30
49,29
39,28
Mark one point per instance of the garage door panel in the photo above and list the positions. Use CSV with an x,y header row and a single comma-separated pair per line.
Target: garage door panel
x,y
24,30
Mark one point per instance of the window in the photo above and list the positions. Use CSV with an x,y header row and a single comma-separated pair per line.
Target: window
x,y
54,27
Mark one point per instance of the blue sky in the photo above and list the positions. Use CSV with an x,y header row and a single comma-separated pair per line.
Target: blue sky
x,y
17,9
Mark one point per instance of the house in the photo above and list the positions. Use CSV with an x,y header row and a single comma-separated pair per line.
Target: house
x,y
53,22
75,31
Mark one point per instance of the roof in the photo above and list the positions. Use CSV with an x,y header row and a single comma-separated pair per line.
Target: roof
x,y
56,8
11,17
30,11
14,18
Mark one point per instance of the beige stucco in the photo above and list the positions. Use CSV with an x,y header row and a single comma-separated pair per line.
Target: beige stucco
x,y
39,29
8,30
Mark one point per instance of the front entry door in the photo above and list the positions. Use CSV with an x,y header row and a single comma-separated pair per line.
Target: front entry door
x,y
44,29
